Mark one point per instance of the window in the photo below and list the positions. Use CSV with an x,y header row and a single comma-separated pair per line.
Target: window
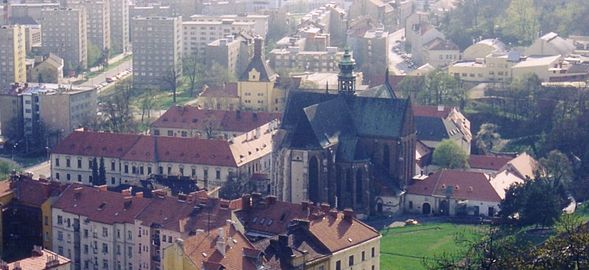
x,y
104,232
160,170
373,253
169,170
363,255
60,250
67,162
338,265
130,254
79,178
169,239
129,235
184,134
126,168
410,204
149,170
68,177
112,166
105,264
59,220
57,162
351,260
181,171
89,164
85,249
79,163
57,176
85,233
140,248
170,133
60,235
193,173
218,174
156,132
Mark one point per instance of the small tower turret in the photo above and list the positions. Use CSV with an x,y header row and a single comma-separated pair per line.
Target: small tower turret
x,y
346,79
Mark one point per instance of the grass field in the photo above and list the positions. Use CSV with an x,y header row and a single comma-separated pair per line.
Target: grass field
x,y
405,247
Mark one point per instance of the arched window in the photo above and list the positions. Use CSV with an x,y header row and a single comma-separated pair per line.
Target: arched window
x,y
314,180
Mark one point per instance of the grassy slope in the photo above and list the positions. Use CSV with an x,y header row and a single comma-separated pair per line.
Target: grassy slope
x,y
404,248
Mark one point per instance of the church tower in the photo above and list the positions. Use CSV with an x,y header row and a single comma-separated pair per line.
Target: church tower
x,y
346,81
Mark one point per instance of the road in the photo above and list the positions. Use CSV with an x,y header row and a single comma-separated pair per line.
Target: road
x,y
43,168
110,73
396,63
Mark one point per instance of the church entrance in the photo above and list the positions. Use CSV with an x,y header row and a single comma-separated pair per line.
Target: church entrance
x,y
426,209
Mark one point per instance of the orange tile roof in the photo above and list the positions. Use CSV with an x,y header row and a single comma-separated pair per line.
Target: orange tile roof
x,y
98,144
337,233
201,249
431,111
227,90
488,162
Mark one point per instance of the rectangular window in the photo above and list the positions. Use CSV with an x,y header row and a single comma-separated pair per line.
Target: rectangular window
x,y
338,265
161,170
169,170
57,176
68,177
46,220
112,166
85,233
67,162
59,220
126,168
104,232
60,235
363,255
57,162
79,163
373,253
193,172
149,170
85,249
351,260
90,164
79,178
170,133
218,174
182,171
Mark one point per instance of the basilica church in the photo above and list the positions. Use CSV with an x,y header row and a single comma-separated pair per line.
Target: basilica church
x,y
354,149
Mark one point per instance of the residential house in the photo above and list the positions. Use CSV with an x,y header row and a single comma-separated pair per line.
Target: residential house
x,y
47,69
440,52
549,45
192,122
483,48
223,97
452,192
40,259
275,228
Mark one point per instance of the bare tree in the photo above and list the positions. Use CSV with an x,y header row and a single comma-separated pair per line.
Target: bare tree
x,y
192,68
173,81
117,114
147,103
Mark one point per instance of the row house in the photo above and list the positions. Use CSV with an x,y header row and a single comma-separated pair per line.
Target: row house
x,y
127,158
101,229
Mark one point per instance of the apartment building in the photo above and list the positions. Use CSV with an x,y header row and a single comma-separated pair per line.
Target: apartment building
x,y
233,53
193,122
330,18
60,109
198,34
371,51
31,12
119,27
440,52
98,21
65,34
260,21
308,51
157,51
12,55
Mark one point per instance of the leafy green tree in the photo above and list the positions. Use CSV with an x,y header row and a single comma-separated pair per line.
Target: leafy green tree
x,y
449,155
232,189
558,168
487,137
520,21
94,54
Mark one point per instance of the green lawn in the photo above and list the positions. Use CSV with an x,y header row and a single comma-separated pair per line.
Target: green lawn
x,y
405,248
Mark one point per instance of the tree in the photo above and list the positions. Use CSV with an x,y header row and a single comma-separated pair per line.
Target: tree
x,y
232,189
533,202
147,103
520,21
95,180
94,54
192,68
217,75
173,80
558,167
102,172
487,137
449,155
117,114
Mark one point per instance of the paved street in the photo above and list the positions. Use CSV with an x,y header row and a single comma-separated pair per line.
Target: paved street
x,y
110,73
396,64
42,168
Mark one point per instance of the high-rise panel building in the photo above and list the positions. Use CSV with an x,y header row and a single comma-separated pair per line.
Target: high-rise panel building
x,y
157,50
119,26
64,34
98,21
12,55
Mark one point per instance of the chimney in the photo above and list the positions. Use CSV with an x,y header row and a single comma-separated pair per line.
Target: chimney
x,y
182,197
221,245
246,201
102,188
128,202
349,214
305,205
139,195
126,192
77,193
440,108
256,197
283,240
333,213
258,46
325,207
224,203
160,193
52,261
190,198
271,199
37,251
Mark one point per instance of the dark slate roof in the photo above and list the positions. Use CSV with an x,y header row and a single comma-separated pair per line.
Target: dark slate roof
x,y
320,120
433,129
258,63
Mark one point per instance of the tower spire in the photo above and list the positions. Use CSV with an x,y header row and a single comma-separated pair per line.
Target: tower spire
x,y
346,79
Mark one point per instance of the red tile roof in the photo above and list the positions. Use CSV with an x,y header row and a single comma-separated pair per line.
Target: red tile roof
x,y
188,117
335,232
228,90
202,251
148,148
465,186
101,206
431,111
181,150
98,144
488,162
158,212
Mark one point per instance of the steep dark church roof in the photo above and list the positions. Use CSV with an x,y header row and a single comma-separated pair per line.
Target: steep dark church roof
x,y
321,120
